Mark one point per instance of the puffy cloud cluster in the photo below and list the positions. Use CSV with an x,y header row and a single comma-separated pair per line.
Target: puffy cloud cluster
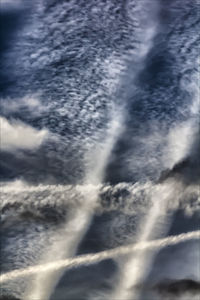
x,y
17,135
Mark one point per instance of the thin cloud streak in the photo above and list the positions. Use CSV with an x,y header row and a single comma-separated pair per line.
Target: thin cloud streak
x,y
89,259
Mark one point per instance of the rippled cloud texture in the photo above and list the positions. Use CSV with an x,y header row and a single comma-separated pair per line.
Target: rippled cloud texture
x,y
100,148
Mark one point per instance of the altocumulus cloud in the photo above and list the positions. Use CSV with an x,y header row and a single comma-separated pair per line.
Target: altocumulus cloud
x,y
18,135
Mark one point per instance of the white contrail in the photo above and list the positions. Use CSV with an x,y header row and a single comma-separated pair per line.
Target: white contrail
x,y
132,271
65,245
89,259
68,239
153,225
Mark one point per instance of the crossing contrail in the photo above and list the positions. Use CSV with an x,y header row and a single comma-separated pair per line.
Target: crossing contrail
x,y
89,259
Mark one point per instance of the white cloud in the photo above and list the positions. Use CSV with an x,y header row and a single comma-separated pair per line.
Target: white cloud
x,y
17,135
30,102
179,142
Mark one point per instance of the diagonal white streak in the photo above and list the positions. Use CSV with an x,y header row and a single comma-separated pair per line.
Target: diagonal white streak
x,y
89,259
69,237
152,226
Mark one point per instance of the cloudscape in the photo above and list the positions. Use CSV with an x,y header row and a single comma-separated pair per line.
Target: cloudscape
x,y
99,161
